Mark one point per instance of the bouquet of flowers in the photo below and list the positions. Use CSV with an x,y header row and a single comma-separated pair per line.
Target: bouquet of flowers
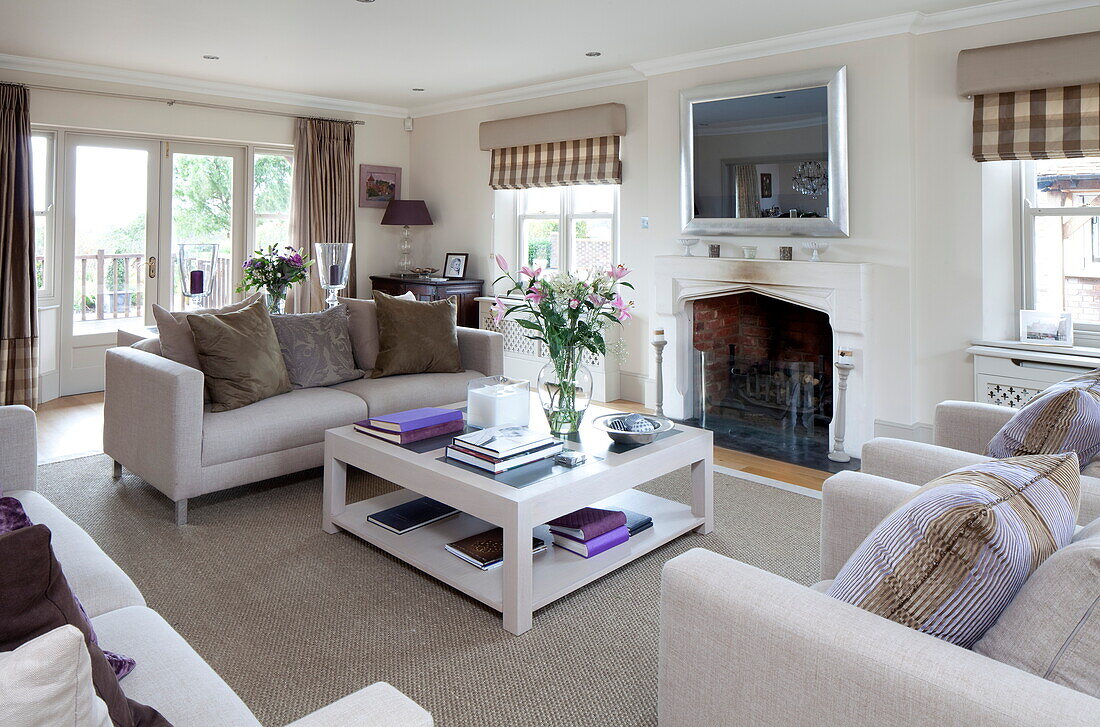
x,y
274,271
569,315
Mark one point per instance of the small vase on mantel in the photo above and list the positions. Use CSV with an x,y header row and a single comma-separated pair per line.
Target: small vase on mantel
x,y
275,297
565,389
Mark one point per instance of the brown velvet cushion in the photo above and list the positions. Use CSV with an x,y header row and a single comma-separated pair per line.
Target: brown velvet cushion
x,y
240,356
176,341
35,599
415,337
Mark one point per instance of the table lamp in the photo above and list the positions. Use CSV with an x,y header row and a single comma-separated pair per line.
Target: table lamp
x,y
406,212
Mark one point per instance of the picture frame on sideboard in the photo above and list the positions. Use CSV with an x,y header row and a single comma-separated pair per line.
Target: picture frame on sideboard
x,y
454,266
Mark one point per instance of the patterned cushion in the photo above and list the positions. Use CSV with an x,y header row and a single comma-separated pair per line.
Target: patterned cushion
x,y
316,347
950,560
1063,418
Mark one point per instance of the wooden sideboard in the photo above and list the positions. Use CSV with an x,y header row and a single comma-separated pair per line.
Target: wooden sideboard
x,y
467,291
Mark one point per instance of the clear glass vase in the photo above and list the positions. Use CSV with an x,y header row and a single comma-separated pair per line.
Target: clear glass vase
x,y
565,388
275,296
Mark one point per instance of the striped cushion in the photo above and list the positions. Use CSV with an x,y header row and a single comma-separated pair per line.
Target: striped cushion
x,y
949,560
1063,418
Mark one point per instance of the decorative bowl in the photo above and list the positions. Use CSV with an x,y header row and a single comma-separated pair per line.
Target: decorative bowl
x,y
425,272
603,423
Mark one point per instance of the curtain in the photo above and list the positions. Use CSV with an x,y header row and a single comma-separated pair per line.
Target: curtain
x,y
322,206
1054,123
18,284
557,164
748,190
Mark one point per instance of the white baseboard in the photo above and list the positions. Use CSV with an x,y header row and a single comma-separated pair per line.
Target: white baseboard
x,y
49,387
637,388
917,432
761,480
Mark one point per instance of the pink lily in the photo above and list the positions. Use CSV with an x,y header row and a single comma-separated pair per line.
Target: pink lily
x,y
622,311
498,310
618,272
535,295
574,304
597,300
502,263
533,274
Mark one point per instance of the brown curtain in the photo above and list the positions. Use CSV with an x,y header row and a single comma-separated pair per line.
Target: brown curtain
x,y
1053,123
322,207
582,161
18,286
747,190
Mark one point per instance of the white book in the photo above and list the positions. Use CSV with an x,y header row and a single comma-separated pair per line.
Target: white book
x,y
501,442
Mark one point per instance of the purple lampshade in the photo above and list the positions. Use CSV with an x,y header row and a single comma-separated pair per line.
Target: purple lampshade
x,y
407,212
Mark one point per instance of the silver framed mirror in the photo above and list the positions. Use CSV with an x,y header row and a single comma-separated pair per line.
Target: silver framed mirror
x,y
766,156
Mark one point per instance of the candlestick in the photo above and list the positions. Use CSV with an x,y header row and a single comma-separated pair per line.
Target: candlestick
x,y
843,370
659,344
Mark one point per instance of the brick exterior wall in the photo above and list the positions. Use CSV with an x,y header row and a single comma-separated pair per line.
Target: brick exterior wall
x,y
1083,299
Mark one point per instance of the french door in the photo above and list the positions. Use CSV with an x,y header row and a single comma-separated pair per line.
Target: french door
x,y
130,203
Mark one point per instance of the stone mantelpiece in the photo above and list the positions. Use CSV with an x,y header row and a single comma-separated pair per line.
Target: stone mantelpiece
x,y
840,290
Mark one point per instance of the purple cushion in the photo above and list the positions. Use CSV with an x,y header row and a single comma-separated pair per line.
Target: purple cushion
x,y
12,517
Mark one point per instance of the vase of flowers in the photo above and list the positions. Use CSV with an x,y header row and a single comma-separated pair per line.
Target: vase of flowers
x,y
569,315
274,271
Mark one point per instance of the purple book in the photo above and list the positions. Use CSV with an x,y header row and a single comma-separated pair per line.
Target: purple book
x,y
407,421
596,545
587,523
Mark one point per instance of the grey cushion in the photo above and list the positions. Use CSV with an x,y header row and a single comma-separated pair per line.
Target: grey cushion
x,y
316,347
411,391
170,676
290,420
1052,626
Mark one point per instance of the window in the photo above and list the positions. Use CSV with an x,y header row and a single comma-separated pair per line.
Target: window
x,y
568,228
271,180
1062,239
42,162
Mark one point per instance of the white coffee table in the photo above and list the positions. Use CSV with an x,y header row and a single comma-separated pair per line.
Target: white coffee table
x,y
524,582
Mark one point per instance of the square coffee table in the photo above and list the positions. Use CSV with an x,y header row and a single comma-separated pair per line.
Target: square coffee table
x,y
520,502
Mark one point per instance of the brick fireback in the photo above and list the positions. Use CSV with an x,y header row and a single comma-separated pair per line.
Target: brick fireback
x,y
759,329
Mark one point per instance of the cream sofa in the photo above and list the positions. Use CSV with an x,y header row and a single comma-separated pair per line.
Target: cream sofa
x,y
156,426
170,675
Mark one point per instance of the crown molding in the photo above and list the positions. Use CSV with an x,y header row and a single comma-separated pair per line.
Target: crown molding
x,y
526,93
190,85
994,12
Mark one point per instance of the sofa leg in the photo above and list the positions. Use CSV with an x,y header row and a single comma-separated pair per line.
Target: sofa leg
x,y
181,512
118,471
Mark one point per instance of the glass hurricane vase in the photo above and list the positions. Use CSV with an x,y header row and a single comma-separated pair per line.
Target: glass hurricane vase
x,y
565,388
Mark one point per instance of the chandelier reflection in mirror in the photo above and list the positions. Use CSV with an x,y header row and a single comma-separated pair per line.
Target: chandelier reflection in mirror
x,y
811,179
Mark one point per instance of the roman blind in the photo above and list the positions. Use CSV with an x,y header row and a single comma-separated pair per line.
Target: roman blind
x,y
1038,99
578,146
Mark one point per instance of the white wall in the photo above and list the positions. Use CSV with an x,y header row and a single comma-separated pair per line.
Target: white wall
x,y
942,249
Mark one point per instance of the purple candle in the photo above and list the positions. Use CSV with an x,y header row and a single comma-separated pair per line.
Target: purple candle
x,y
334,274
196,282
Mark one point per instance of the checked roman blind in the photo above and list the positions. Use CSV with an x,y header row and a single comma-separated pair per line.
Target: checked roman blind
x,y
1034,100
579,146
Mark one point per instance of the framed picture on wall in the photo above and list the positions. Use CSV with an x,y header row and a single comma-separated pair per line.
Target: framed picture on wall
x,y
1048,329
765,184
455,265
378,186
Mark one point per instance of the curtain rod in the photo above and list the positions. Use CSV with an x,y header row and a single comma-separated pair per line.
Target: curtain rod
x,y
182,102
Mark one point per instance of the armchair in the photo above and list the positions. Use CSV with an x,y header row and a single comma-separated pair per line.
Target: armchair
x,y
741,646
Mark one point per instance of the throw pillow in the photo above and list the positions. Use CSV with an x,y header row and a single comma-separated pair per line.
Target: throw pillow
x,y
1052,626
416,337
176,340
13,517
949,560
363,327
48,681
35,599
316,347
239,355
1063,418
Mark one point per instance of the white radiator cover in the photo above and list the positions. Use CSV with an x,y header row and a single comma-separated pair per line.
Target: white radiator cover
x,y
1009,373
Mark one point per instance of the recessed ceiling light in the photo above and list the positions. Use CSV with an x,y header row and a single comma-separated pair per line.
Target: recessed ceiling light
x,y
593,54
418,89
779,97
211,58
365,1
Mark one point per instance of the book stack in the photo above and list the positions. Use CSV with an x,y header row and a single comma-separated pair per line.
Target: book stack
x,y
486,550
405,427
499,449
591,530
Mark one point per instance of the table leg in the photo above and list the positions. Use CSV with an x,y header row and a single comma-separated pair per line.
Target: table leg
x,y
518,577
702,493
334,500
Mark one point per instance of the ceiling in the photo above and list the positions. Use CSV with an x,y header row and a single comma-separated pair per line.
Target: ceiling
x,y
377,52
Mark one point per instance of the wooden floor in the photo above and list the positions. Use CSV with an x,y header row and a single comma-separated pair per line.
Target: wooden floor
x,y
73,425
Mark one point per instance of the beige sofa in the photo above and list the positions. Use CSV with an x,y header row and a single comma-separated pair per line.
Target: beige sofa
x,y
170,675
156,426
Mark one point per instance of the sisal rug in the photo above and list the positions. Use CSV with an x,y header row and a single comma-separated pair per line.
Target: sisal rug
x,y
293,618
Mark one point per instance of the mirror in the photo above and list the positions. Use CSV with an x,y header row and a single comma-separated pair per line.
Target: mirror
x,y
766,157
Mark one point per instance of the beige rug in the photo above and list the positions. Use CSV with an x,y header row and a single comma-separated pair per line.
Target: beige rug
x,y
294,618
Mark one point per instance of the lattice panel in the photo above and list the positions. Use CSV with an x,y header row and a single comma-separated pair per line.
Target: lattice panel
x,y
1008,394
515,340
590,359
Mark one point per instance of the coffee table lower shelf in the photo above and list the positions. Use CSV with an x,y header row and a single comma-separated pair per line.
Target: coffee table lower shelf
x,y
557,572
